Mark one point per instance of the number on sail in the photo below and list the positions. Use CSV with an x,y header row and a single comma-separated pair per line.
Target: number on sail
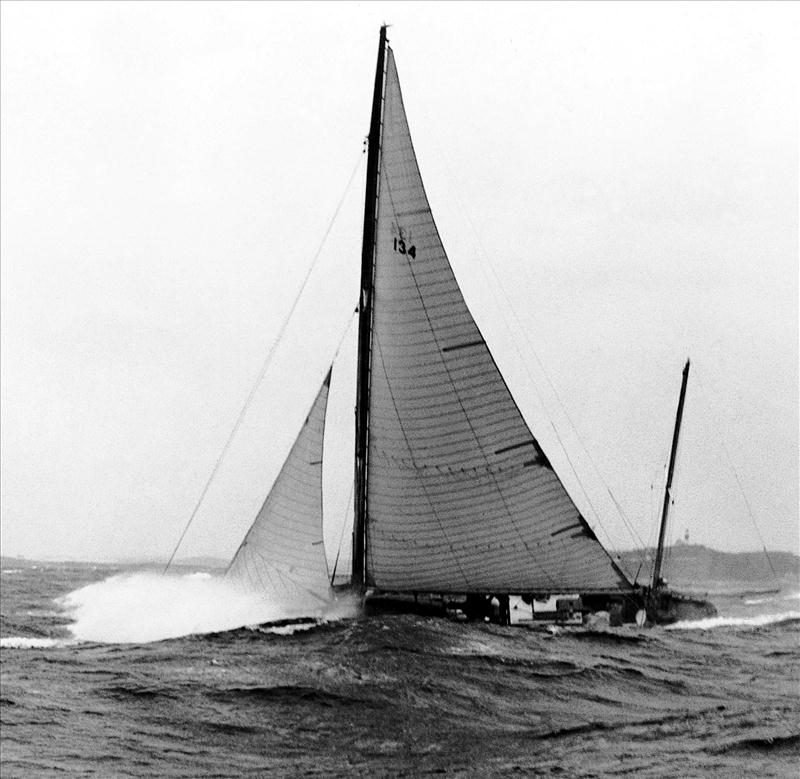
x,y
400,247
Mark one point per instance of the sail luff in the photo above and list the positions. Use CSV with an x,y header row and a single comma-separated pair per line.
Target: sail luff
x,y
360,503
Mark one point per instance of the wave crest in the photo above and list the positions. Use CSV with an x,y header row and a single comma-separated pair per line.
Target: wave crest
x,y
745,622
145,607
25,642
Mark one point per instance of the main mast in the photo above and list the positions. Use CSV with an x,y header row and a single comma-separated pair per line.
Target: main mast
x,y
668,490
365,322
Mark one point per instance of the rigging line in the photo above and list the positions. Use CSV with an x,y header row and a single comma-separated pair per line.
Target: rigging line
x,y
638,571
542,400
513,523
625,521
352,485
344,335
655,489
658,485
253,526
624,516
738,482
653,520
588,499
265,365
520,327
516,345
560,403
344,527
651,525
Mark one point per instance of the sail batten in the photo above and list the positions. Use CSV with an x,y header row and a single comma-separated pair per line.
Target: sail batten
x,y
283,551
460,495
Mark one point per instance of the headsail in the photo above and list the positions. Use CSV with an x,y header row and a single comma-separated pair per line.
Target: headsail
x,y
283,551
460,496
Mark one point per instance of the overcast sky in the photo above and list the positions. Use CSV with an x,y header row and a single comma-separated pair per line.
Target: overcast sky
x,y
616,186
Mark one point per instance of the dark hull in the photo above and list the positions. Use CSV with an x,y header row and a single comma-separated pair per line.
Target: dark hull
x,y
670,607
665,608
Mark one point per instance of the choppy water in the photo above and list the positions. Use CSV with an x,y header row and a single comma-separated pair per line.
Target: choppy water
x,y
380,696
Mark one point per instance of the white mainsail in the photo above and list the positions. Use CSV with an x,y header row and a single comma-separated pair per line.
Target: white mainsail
x,y
460,496
283,551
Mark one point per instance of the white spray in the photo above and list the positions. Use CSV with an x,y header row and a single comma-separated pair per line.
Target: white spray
x,y
756,621
143,607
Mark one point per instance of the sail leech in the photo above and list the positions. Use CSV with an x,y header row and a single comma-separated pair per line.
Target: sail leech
x,y
461,497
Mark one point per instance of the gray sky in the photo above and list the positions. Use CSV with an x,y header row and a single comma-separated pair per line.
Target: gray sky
x,y
616,186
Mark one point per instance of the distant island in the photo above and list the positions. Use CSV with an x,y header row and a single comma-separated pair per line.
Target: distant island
x,y
688,565
194,563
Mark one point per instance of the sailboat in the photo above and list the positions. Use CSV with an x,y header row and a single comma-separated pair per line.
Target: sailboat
x,y
455,501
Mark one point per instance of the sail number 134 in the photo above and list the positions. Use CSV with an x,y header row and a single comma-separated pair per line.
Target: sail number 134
x,y
400,246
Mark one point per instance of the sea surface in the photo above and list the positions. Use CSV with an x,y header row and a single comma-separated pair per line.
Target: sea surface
x,y
96,680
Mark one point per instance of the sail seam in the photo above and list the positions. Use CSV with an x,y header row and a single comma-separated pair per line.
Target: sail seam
x,y
457,394
288,526
462,346
415,468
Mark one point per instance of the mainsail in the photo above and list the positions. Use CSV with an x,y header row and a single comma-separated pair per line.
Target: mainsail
x,y
283,552
459,495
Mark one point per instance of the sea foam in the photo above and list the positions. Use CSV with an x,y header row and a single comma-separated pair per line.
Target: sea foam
x,y
23,642
721,622
144,607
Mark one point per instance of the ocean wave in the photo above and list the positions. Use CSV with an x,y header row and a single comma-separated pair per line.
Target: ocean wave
x,y
26,642
771,744
133,691
281,627
723,622
774,597
288,630
44,613
290,694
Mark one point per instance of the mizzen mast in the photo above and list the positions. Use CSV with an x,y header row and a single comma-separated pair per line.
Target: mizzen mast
x,y
365,322
668,490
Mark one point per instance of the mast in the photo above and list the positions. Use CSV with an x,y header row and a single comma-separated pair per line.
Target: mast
x,y
365,323
667,491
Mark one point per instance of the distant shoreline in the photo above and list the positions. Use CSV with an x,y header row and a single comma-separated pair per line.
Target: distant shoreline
x,y
7,561
686,563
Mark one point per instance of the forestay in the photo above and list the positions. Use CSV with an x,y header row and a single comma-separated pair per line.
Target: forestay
x,y
460,496
283,552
